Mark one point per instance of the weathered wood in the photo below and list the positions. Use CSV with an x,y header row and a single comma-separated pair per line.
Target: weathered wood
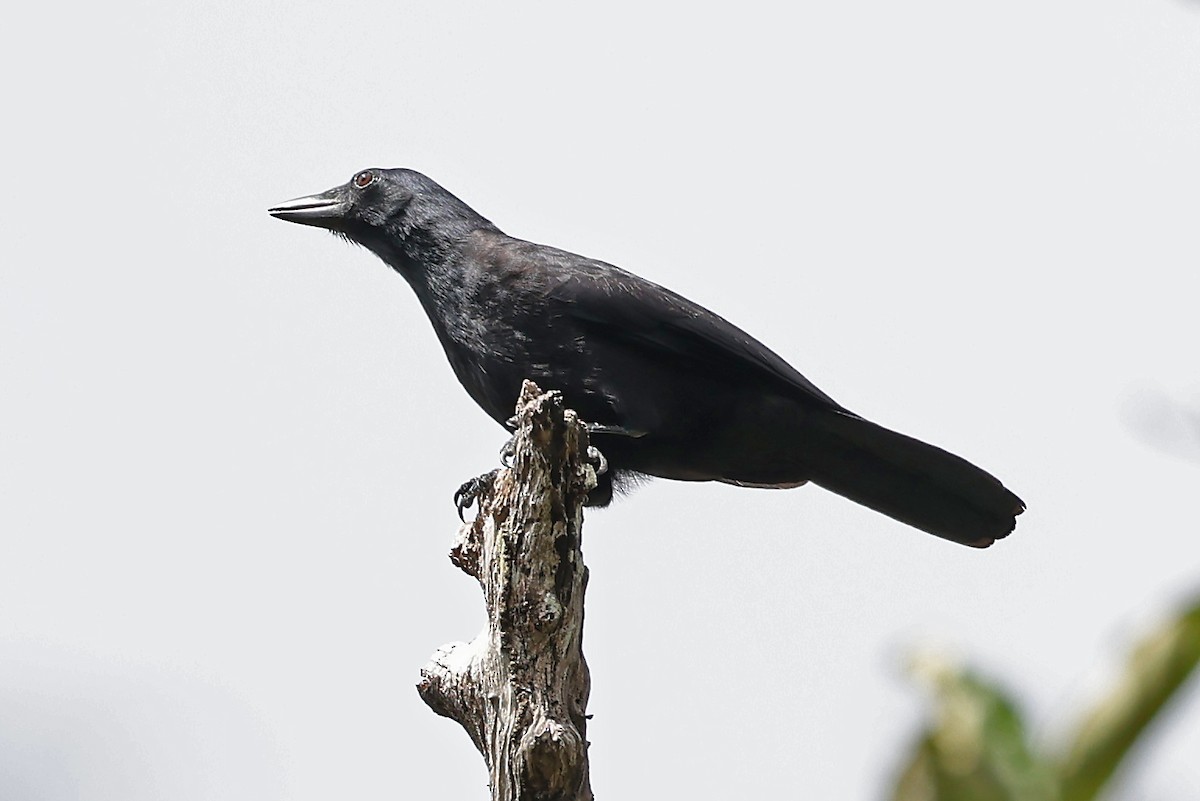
x,y
520,689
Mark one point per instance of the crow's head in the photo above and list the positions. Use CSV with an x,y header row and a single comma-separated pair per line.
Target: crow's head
x,y
383,209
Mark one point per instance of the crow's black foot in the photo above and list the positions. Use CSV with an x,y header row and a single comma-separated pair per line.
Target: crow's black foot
x,y
470,491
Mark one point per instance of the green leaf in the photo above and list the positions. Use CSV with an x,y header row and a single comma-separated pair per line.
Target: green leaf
x,y
1157,668
976,748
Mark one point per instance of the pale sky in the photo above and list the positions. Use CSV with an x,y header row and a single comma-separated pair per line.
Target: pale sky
x,y
230,443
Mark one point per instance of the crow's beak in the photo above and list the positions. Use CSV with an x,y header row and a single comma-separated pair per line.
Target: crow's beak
x,y
325,210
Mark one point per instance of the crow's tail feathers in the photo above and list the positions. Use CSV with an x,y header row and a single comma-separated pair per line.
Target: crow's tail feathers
x,y
913,482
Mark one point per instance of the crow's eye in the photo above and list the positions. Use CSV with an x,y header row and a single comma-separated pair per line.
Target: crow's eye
x,y
364,179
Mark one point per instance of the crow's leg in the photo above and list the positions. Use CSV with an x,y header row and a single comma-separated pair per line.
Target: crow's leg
x,y
470,491
509,450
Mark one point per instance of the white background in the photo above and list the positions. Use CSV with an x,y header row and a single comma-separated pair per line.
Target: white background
x,y
228,444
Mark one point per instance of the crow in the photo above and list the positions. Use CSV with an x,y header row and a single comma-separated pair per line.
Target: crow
x,y
668,388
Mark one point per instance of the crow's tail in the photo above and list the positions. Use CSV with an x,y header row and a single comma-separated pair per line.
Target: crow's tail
x,y
911,481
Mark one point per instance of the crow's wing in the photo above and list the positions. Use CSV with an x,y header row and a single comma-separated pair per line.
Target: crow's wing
x,y
610,303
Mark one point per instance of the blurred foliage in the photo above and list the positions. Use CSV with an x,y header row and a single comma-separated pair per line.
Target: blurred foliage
x,y
977,747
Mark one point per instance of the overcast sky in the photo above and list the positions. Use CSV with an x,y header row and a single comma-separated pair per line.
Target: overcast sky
x,y
229,444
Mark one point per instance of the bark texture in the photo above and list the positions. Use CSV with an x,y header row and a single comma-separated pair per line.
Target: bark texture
x,y
520,689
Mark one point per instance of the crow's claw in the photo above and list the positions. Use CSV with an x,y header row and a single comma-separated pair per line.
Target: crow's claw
x,y
594,454
470,491
508,451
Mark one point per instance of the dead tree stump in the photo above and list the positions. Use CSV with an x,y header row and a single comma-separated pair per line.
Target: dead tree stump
x,y
520,689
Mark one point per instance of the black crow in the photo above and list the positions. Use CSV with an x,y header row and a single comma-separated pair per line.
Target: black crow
x,y
669,388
